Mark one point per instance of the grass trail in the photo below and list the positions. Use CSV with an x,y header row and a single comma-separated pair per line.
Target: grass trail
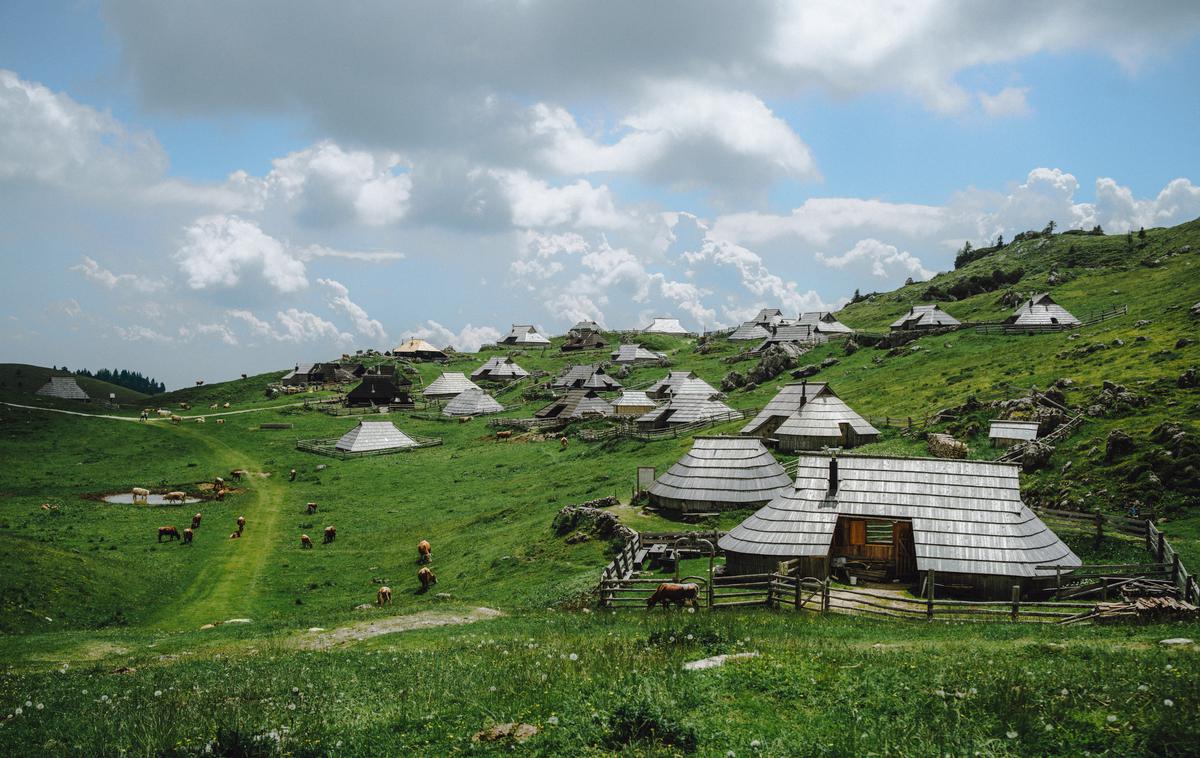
x,y
228,587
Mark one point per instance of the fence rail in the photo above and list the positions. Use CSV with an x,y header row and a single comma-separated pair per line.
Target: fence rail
x,y
630,431
1087,320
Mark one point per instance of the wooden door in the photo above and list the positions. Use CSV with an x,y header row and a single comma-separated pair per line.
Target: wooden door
x,y
904,549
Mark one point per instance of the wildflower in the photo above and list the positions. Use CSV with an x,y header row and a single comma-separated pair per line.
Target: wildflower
x,y
940,693
1049,727
339,743
690,637
573,657
730,754
1112,718
158,693
755,744
492,688
18,710
1143,688
1169,667
1064,692
291,706
692,609
40,706
28,703
1168,702
973,691
671,639
552,721
295,690
1011,734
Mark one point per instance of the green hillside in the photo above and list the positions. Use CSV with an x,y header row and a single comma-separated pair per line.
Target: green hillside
x,y
19,383
84,583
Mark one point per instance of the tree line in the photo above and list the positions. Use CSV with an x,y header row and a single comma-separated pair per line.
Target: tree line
x,y
132,380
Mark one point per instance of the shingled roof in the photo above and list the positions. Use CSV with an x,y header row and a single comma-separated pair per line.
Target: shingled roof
x,y
687,408
924,317
675,381
575,404
666,325
750,330
636,354
449,384
374,435
64,387
589,376
525,334
798,334
1041,310
474,402
720,473
808,415
1013,431
967,516
499,368
415,348
824,322
633,402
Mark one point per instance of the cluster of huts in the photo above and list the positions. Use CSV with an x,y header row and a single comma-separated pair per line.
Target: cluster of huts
x,y
770,327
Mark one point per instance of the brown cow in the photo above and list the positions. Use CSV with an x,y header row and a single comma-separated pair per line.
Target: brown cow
x,y
235,535
305,541
667,593
241,522
175,497
330,534
187,536
170,532
238,473
562,443
504,435
221,493
464,419
311,508
424,552
383,596
427,578
176,419
292,476
196,521
218,482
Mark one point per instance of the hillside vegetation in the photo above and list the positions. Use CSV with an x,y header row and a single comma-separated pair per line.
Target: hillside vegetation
x,y
84,583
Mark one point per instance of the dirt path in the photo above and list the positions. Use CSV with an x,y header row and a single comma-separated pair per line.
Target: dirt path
x,y
363,630
155,419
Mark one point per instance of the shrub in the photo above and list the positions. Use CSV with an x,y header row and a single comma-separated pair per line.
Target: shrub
x,y
643,719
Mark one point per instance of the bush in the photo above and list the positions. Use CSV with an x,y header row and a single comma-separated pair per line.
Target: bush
x,y
645,720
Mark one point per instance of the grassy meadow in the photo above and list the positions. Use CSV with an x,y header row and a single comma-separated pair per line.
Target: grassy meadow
x,y
97,617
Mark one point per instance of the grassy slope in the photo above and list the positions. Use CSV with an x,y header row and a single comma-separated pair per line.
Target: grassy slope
x,y
487,506
19,383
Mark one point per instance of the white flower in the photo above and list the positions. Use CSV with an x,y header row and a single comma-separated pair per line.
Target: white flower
x,y
28,703
295,690
1049,727
573,657
755,744
940,693
690,637
1143,688
1011,735
730,754
1112,718
18,710
1168,702
552,721
291,706
158,693
492,688
1169,667
693,610
671,639
339,743
1064,692
40,706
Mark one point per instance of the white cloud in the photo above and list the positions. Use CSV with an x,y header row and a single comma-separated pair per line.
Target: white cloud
x,y
884,259
339,300
97,273
820,220
1008,102
1118,210
258,327
320,251
467,339
219,330
301,326
141,334
330,185
535,203
221,249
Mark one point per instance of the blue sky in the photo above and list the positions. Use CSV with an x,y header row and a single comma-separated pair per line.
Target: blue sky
x,y
199,190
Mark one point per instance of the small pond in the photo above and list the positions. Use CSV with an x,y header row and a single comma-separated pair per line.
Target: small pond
x,y
126,498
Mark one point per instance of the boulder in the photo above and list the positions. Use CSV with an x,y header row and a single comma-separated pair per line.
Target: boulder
x,y
806,371
1140,323
851,347
829,362
732,381
1195,310
1177,641
1189,379
945,446
509,732
1117,445
1183,342
1035,456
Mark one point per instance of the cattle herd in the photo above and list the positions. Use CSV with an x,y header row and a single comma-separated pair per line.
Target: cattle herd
x,y
425,575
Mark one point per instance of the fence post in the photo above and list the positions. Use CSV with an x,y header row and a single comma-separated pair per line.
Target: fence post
x,y
1104,589
1175,571
1099,526
1016,601
1162,546
1058,582
929,582
1191,590
825,596
1149,539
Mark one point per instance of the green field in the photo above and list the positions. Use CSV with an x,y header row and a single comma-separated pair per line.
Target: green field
x,y
97,616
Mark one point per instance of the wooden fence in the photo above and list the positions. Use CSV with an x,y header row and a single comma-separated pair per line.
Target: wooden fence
x,y
1087,320
630,430
327,447
526,423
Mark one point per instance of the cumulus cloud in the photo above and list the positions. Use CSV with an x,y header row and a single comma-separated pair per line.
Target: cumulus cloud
x,y
339,300
819,220
882,258
141,334
329,185
220,249
293,325
221,331
1118,210
468,339
535,203
1008,102
102,276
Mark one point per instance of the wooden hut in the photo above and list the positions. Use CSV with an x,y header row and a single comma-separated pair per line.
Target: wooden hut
x,y
1041,311
675,381
588,341
419,350
802,335
924,317
686,407
499,369
824,322
896,518
376,390
576,404
590,376
65,388
720,473
372,436
1006,433
629,355
525,335
666,325
585,327
760,327
449,385
474,402
809,416
633,403
303,375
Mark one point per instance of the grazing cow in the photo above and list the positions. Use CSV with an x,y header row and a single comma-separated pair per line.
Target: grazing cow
x,y
667,593
163,413
310,509
424,552
238,473
199,382
241,522
144,417
170,532
212,407
243,376
383,596
305,541
175,497
427,578
562,443
226,405
142,494
187,536
199,419
221,493
196,521
235,535
504,435
220,421
292,475
176,419
330,534
464,419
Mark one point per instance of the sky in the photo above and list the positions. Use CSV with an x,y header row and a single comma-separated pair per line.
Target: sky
x,y
198,190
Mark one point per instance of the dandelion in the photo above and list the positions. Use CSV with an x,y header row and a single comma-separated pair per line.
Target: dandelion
x,y
1011,734
940,693
1064,692
1168,702
552,721
40,706
692,609
1143,688
671,639
973,691
1169,667
158,693
18,710
690,637
28,703
291,706
573,657
492,688
1112,718
755,744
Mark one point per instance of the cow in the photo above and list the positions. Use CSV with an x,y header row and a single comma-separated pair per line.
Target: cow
x,y
238,473
213,407
424,552
199,382
199,419
504,435
427,578
241,522
310,509
175,497
220,421
221,493
383,596
145,416
243,376
330,534
305,541
667,593
163,413
187,536
235,535
196,521
176,419
292,475
562,443
170,532
465,419
226,405
142,494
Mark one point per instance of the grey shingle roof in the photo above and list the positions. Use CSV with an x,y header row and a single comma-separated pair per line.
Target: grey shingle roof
x,y
925,317
499,367
588,376
1025,431
635,354
802,334
735,471
525,334
687,408
825,322
632,399
665,325
374,435
967,516
677,381
1041,310
64,387
750,330
577,403
808,410
449,384
474,402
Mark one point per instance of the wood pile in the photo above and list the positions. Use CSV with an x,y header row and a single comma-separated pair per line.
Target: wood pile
x,y
1145,609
